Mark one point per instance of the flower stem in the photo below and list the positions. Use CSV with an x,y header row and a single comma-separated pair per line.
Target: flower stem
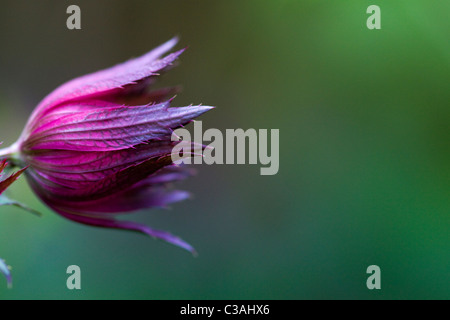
x,y
10,153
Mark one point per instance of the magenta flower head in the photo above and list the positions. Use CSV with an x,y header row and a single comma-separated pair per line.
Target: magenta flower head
x,y
100,145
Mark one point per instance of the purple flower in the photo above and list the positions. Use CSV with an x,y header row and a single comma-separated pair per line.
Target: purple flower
x,y
100,145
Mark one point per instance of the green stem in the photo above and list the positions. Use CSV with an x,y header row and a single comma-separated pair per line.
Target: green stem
x,y
11,153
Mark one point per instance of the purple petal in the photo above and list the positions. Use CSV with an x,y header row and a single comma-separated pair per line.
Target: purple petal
x,y
63,172
127,202
108,80
77,162
111,128
94,166
126,225
110,184
150,192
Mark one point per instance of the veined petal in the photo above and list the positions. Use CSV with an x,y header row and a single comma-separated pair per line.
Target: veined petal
x,y
78,162
89,111
150,192
86,174
66,171
111,128
132,200
109,185
127,225
108,80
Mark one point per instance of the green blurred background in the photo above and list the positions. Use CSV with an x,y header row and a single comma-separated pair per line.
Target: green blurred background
x,y
364,150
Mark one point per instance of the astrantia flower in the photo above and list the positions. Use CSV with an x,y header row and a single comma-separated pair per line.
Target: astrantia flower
x,y
100,145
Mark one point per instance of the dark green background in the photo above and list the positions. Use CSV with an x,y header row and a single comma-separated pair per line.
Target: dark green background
x,y
364,150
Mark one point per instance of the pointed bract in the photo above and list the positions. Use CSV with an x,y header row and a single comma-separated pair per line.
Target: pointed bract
x,y
4,184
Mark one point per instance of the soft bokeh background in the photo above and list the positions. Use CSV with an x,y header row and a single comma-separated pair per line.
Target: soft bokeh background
x,y
364,150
